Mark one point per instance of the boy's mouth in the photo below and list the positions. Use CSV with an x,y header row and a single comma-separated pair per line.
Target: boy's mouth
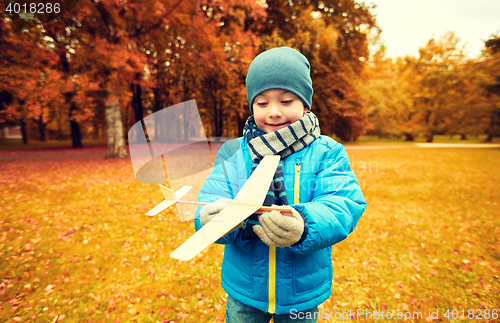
x,y
278,124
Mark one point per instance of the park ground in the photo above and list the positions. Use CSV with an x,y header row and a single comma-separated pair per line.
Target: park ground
x,y
75,245
16,145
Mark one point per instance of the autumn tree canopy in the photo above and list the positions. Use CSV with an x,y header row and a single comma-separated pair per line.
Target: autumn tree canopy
x,y
439,92
104,66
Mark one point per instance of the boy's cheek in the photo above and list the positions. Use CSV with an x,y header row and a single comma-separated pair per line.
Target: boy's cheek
x,y
259,123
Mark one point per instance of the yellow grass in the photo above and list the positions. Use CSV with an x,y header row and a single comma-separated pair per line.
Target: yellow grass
x,y
75,245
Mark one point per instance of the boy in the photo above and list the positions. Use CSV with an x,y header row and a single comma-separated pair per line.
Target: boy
x,y
275,265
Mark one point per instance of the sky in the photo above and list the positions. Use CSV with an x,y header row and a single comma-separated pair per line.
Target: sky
x,y
408,25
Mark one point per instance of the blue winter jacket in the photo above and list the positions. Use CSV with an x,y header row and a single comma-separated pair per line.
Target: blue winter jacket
x,y
279,279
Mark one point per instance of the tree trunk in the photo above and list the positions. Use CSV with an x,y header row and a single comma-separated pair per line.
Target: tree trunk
x,y
218,119
24,132
489,138
430,137
76,136
185,120
41,128
137,102
160,92
408,137
60,135
241,124
114,128
159,98
159,95
125,120
180,97
95,133
343,129
463,137
219,124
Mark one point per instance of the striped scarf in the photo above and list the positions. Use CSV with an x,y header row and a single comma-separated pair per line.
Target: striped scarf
x,y
283,142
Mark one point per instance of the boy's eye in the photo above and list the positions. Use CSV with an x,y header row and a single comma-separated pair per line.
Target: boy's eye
x,y
261,104
287,101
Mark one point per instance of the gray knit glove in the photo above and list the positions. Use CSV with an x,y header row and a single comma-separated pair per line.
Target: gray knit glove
x,y
278,230
209,211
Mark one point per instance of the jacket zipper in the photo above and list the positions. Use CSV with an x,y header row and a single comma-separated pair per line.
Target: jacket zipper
x,y
296,188
272,279
272,250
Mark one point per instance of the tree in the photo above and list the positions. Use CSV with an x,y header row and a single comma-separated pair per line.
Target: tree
x,y
111,40
208,61
64,44
440,88
491,63
333,36
437,93
28,78
137,59
385,84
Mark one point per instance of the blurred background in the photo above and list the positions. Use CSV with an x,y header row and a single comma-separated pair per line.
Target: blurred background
x,y
105,65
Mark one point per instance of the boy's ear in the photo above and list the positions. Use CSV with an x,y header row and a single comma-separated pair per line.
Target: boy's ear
x,y
306,109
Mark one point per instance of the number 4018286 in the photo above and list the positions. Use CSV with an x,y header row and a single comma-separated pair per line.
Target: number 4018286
x,y
479,314
33,7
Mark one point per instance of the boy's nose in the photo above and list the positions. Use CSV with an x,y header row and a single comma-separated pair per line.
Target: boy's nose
x,y
274,110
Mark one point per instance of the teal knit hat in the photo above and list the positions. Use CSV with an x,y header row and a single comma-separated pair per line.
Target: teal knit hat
x,y
280,68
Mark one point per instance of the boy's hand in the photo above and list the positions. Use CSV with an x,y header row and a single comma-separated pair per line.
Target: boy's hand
x,y
209,211
278,230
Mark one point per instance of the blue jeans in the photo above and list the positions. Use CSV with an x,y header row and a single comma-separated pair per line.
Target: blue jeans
x,y
237,312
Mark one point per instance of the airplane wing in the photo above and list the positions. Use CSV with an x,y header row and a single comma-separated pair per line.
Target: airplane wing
x,y
170,198
248,200
160,207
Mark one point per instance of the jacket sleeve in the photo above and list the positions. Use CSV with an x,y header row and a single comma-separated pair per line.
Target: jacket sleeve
x,y
221,183
337,203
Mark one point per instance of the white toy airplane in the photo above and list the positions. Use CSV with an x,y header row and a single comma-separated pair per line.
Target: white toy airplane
x,y
248,201
171,198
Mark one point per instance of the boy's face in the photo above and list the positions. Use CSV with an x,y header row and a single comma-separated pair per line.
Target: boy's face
x,y
275,109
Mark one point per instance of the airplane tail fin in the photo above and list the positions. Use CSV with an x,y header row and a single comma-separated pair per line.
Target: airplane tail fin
x,y
170,198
